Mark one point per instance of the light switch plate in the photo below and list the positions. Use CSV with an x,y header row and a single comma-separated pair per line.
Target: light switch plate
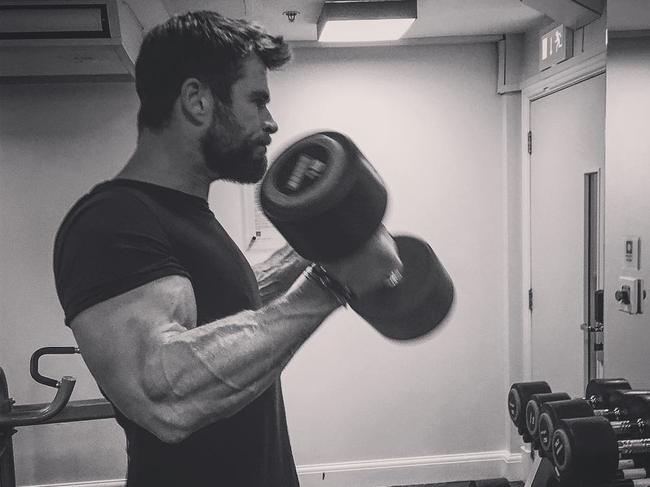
x,y
631,252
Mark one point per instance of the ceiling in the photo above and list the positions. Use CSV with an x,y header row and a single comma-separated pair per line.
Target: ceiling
x,y
436,18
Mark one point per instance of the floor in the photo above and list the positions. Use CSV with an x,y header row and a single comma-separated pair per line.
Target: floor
x,y
455,484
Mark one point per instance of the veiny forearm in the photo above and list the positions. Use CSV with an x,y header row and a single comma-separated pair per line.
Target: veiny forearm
x,y
276,274
213,371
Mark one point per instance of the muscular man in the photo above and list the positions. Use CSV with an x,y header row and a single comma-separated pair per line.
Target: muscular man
x,y
183,337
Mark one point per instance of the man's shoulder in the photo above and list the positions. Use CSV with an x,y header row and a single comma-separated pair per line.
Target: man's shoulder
x,y
110,195
106,208
108,198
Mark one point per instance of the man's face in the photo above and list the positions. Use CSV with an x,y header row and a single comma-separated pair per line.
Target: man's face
x,y
235,144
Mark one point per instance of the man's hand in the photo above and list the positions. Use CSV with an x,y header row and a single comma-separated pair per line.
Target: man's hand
x,y
375,264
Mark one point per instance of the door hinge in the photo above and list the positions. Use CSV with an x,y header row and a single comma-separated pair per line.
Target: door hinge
x,y
530,299
530,142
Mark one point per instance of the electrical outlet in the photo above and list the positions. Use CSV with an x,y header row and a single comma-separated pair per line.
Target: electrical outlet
x,y
630,295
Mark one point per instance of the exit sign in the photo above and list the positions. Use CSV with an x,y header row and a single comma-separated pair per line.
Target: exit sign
x,y
555,46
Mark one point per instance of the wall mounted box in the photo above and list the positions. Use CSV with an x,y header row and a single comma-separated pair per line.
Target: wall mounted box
x,y
51,38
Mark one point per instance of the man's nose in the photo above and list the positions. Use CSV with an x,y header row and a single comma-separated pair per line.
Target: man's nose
x,y
270,125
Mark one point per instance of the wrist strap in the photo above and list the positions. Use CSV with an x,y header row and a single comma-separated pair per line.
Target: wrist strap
x,y
318,274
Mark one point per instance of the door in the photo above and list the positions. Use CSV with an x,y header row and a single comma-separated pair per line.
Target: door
x,y
567,166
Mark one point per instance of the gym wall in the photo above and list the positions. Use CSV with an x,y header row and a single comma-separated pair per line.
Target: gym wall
x,y
627,209
56,141
429,119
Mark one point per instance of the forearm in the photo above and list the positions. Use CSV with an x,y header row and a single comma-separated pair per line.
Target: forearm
x,y
213,371
276,274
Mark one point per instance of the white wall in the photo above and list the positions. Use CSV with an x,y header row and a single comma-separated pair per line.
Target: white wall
x,y
429,119
55,142
627,337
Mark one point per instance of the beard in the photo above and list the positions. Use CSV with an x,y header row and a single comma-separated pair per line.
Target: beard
x,y
230,153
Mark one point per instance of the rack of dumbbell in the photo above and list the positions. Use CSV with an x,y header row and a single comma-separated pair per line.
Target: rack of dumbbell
x,y
600,440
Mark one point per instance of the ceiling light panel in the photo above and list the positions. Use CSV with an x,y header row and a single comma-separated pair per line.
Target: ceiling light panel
x,y
354,21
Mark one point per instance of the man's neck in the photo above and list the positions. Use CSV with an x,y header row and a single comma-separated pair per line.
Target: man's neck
x,y
164,161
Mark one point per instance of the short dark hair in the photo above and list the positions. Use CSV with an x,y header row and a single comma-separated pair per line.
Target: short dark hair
x,y
204,45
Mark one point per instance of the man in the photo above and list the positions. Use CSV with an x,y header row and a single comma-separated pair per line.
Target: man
x,y
167,313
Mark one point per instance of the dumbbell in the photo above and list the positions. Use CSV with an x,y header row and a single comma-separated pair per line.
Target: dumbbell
x,y
627,475
626,483
327,201
520,394
532,414
628,469
598,393
622,405
587,449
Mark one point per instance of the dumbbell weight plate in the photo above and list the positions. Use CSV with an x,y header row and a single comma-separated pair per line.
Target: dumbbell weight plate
x,y
518,397
585,449
638,406
418,303
533,408
553,412
323,196
598,390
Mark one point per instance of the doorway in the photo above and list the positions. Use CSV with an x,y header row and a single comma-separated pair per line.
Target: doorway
x,y
567,159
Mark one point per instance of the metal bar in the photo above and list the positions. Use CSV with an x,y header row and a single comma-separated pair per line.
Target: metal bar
x,y
84,410
32,415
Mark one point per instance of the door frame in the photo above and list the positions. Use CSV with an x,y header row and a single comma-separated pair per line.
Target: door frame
x,y
600,261
531,91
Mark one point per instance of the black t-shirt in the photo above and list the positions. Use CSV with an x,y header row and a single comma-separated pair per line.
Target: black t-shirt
x,y
124,234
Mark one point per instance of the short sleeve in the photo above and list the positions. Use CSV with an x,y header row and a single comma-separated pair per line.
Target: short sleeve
x,y
108,244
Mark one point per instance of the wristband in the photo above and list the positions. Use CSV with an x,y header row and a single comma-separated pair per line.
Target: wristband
x,y
318,274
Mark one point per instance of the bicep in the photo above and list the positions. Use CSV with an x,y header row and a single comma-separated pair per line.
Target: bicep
x,y
118,337
109,246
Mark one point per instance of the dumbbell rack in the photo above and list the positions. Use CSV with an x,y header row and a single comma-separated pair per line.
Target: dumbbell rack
x,y
544,472
60,410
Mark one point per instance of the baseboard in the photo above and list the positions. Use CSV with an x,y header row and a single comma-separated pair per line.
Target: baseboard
x,y
98,483
415,470
392,471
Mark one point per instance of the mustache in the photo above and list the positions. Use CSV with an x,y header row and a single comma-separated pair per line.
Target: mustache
x,y
262,140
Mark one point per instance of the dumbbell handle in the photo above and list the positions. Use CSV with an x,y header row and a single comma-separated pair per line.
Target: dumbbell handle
x,y
593,400
614,414
631,473
627,483
631,447
630,427
626,463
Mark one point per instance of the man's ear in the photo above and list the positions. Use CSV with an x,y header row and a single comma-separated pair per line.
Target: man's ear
x,y
196,102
